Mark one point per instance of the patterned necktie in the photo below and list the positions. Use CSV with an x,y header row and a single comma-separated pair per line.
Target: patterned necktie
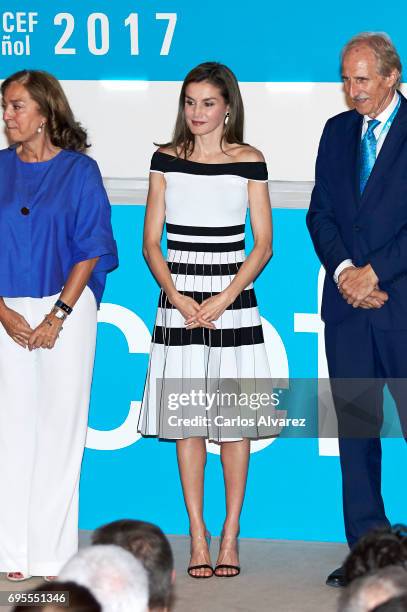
x,y
367,153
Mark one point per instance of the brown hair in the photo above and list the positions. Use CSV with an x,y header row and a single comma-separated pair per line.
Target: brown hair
x,y
47,92
223,78
385,52
149,545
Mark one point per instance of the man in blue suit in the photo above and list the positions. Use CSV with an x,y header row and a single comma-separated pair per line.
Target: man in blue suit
x,y
358,223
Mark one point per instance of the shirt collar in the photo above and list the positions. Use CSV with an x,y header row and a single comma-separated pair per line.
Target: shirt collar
x,y
385,114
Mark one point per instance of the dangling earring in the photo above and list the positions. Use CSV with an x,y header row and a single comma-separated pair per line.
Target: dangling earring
x,y
226,118
39,129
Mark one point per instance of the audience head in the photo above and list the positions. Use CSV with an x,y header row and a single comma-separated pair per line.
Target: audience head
x,y
117,580
372,590
377,549
80,599
150,546
396,604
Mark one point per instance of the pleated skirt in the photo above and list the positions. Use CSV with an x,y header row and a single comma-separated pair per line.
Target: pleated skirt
x,y
204,364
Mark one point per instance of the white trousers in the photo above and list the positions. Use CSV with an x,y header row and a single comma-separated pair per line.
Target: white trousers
x,y
44,400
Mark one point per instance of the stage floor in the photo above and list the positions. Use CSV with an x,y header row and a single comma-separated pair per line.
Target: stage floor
x,y
277,576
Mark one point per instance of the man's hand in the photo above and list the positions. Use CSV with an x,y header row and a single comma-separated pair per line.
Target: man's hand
x,y
356,284
376,299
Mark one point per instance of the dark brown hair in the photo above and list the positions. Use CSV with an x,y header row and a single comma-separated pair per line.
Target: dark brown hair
x,y
47,92
149,545
223,78
378,548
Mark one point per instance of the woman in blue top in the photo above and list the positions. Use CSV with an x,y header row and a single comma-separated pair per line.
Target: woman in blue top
x,y
56,248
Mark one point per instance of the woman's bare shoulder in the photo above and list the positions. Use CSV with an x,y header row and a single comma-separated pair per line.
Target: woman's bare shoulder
x,y
247,153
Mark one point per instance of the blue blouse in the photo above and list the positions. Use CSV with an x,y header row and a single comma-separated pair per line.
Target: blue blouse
x,y
53,214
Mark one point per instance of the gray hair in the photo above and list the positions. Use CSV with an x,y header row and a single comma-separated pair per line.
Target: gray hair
x,y
385,52
367,592
114,577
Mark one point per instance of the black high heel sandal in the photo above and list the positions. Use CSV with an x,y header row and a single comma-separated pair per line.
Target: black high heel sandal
x,y
202,565
235,568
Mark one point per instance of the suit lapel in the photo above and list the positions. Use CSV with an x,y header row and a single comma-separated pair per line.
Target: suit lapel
x,y
388,152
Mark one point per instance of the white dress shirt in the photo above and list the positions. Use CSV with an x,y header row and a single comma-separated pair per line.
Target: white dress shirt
x,y
380,138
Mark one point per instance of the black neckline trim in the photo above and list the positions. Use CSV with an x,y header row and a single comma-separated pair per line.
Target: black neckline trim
x,y
164,162
191,161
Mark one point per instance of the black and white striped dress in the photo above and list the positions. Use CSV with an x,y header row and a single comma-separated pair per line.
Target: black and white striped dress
x,y
206,206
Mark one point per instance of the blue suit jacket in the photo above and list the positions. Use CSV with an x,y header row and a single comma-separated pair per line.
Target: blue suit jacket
x,y
371,228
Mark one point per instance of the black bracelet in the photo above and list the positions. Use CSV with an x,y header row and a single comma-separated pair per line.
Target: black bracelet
x,y
60,304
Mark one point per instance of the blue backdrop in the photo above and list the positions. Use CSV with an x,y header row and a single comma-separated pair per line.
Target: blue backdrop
x,y
293,492
262,40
